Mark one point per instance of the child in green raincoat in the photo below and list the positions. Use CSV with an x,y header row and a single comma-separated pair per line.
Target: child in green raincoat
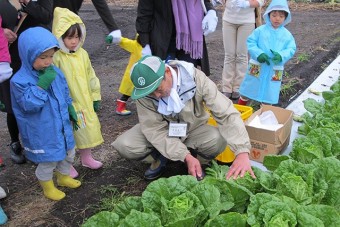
x,y
83,83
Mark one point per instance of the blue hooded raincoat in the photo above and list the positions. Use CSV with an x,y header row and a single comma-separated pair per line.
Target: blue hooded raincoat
x,y
42,116
263,82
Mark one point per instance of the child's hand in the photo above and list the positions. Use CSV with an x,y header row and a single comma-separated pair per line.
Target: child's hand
x,y
46,77
114,37
263,58
277,57
73,117
96,105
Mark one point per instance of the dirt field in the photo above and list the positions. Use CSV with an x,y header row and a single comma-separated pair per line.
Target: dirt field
x,y
316,30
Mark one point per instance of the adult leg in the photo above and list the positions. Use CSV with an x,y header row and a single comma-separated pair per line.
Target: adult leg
x,y
73,5
206,141
15,146
105,13
138,150
229,42
243,32
142,150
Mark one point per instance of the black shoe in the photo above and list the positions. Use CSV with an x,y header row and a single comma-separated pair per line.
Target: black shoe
x,y
16,153
235,95
157,168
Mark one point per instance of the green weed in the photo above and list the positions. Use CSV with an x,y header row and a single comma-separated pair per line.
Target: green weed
x,y
112,196
287,87
303,57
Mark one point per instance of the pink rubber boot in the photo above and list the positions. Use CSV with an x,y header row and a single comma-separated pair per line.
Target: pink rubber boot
x,y
87,159
73,172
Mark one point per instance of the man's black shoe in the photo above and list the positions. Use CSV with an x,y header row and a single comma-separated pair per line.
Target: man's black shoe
x,y
153,174
16,153
157,168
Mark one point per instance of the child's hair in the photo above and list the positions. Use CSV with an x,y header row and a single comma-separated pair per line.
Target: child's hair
x,y
279,11
75,28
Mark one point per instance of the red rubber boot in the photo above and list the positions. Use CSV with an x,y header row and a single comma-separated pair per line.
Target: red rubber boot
x,y
121,108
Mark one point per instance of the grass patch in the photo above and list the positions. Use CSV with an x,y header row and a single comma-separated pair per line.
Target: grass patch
x,y
287,87
303,57
112,197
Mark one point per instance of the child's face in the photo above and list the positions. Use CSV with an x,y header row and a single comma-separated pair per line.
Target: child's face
x,y
71,42
44,60
277,18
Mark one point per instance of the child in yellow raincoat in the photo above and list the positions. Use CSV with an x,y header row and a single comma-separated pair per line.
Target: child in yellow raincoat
x,y
83,83
126,86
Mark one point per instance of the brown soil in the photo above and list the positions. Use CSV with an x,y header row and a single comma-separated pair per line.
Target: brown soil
x,y
316,30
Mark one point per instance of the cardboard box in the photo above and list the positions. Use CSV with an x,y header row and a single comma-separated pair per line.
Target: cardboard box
x,y
264,141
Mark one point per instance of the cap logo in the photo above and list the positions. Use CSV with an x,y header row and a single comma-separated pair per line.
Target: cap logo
x,y
141,81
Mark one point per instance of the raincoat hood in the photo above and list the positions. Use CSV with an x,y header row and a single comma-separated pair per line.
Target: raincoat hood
x,y
30,49
278,5
63,19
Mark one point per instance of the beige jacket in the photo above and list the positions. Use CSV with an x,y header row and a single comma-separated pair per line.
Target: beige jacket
x,y
155,126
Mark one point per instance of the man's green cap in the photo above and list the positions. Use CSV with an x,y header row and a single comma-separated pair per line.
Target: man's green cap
x,y
146,75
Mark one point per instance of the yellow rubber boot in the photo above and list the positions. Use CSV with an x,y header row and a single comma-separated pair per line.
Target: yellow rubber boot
x,y
67,181
50,191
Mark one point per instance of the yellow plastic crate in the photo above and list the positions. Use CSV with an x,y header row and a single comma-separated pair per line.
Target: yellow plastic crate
x,y
227,155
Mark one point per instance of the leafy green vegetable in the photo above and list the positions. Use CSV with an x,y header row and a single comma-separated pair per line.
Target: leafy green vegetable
x,y
327,214
210,197
182,210
129,203
271,162
231,219
103,218
166,188
140,219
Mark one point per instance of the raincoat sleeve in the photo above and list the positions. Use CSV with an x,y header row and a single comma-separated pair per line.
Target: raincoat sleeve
x,y
41,10
145,14
129,45
93,81
30,97
252,44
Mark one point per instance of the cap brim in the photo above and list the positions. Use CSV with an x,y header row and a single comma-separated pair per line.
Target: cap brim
x,y
138,93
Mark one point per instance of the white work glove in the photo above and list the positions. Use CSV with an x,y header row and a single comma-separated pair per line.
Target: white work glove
x,y
209,22
242,4
5,71
114,37
146,50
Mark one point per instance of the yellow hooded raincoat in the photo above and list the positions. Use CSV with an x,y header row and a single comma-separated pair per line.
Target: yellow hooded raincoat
x,y
83,83
132,46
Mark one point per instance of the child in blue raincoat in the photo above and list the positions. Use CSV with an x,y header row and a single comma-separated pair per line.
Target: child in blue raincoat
x,y
270,46
43,109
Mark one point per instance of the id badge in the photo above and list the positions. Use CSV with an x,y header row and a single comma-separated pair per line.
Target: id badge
x,y
177,129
